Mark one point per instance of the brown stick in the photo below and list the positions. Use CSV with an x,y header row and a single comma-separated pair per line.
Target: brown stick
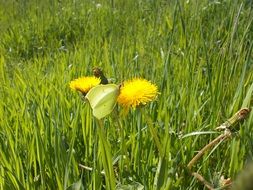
x,y
202,180
222,137
229,125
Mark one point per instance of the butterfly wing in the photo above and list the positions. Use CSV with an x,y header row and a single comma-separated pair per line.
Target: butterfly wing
x,y
103,99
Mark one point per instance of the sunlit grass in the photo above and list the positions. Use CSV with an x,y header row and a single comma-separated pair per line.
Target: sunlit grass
x,y
198,53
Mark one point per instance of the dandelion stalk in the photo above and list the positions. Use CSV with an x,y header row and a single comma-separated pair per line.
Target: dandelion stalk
x,y
153,132
123,145
106,157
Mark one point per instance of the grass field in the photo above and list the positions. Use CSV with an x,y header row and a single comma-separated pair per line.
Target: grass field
x,y
198,53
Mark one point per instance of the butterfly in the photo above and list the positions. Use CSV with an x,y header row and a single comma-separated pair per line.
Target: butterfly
x,y
102,99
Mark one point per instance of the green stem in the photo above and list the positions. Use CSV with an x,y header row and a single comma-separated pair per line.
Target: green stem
x,y
106,157
122,147
153,132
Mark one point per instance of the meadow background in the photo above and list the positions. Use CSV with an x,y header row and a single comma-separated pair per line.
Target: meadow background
x,y
199,53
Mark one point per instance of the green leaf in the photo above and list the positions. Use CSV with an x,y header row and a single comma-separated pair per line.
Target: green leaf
x,y
248,98
199,133
103,99
161,173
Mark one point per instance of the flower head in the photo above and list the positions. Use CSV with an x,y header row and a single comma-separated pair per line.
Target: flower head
x,y
84,84
137,92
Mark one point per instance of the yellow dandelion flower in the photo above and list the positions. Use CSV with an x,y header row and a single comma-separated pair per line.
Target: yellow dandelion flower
x,y
137,92
84,84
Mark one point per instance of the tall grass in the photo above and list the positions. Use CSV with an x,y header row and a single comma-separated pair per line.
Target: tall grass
x,y
199,53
